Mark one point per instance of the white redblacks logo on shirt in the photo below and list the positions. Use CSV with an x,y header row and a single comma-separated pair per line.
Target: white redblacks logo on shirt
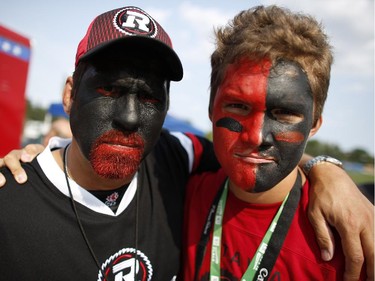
x,y
126,266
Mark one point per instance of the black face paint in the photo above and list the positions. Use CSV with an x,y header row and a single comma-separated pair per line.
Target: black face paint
x,y
230,124
119,110
288,99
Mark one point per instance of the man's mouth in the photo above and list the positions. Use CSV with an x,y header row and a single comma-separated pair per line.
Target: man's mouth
x,y
253,158
119,141
120,147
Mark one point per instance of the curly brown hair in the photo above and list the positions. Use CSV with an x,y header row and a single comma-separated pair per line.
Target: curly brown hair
x,y
277,34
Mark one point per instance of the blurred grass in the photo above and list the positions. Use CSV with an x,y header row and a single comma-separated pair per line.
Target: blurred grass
x,y
361,178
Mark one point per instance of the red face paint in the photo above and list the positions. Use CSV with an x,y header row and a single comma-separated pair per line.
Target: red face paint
x,y
291,137
116,156
242,98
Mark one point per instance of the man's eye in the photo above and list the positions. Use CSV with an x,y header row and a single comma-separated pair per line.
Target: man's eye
x,y
107,91
149,99
286,116
237,108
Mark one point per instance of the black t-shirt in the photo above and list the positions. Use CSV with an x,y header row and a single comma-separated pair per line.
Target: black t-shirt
x,y
40,238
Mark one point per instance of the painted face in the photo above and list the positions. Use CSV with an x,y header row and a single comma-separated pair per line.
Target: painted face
x,y
118,113
261,119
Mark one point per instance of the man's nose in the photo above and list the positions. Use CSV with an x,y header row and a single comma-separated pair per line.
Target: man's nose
x,y
252,130
128,116
267,133
252,138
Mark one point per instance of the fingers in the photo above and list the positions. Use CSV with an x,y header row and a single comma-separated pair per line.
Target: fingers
x,y
13,158
2,180
353,219
367,239
30,151
12,162
353,257
353,245
323,234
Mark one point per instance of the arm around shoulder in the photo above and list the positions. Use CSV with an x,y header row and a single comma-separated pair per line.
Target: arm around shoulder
x,y
335,200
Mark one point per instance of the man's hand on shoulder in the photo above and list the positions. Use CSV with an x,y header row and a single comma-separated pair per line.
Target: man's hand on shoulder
x,y
336,201
13,161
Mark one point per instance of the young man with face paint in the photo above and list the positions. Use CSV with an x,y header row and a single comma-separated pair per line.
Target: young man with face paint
x,y
117,189
248,221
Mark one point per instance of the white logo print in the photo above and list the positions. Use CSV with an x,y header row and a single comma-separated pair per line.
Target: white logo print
x,y
133,21
133,18
131,266
262,273
125,265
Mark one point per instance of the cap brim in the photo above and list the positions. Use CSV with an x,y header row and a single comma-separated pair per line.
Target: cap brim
x,y
174,65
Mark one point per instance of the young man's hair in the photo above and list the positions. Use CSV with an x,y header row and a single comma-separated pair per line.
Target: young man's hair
x,y
277,34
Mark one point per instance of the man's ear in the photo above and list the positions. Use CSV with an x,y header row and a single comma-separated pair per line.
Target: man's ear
x,y
210,116
316,126
210,112
67,97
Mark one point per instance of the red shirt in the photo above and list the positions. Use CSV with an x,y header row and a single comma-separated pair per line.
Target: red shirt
x,y
244,226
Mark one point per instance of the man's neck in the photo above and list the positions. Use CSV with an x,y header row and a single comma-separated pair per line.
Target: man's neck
x,y
274,195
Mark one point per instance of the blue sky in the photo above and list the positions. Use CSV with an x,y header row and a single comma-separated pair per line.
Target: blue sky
x,y
56,27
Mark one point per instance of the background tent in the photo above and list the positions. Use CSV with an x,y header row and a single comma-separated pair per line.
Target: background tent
x,y
57,110
15,54
175,124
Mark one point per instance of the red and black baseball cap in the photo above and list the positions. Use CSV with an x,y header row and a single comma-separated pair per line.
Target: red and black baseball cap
x,y
130,25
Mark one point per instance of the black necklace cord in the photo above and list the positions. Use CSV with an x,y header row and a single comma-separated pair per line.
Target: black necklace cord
x,y
136,233
76,212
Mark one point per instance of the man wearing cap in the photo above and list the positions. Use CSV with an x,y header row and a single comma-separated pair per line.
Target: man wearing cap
x,y
107,205
98,208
